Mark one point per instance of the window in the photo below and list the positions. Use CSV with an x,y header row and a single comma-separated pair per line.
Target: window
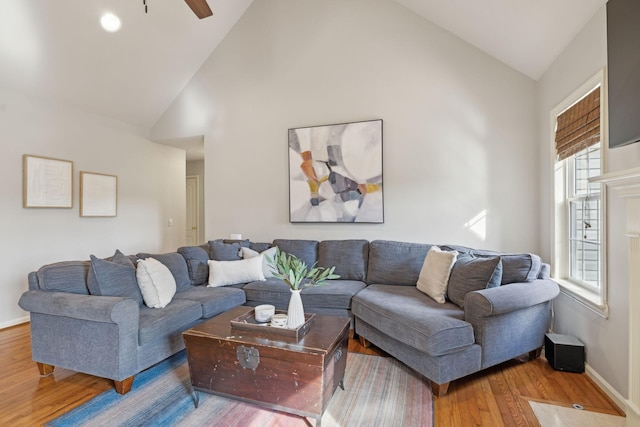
x,y
578,221
583,201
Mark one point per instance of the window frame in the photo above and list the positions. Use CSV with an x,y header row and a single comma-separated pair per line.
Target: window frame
x,y
593,298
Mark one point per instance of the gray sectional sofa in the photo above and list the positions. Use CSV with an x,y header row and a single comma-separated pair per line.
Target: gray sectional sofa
x,y
88,316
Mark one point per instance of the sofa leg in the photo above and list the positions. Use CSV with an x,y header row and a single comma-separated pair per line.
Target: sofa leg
x,y
124,386
45,370
439,390
364,342
534,354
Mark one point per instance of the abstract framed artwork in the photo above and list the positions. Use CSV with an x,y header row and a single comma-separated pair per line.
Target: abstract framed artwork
x,y
46,182
335,173
98,194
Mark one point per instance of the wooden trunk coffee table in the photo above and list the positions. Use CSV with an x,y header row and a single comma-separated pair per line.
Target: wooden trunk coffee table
x,y
280,373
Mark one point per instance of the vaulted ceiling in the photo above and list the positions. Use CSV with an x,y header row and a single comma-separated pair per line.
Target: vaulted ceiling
x,y
57,49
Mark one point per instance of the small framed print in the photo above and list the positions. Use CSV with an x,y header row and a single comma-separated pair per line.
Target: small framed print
x,y
47,182
98,195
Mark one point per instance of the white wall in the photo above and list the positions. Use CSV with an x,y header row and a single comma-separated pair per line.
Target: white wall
x,y
459,126
605,339
150,191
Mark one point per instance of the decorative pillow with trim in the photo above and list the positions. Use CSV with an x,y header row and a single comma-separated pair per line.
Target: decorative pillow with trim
x,y
434,275
157,284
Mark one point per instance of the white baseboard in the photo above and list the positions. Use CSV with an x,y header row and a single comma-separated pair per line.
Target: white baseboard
x,y
606,387
14,322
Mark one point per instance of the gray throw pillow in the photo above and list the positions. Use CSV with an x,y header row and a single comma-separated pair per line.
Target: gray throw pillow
x,y
516,267
115,278
473,274
196,258
227,250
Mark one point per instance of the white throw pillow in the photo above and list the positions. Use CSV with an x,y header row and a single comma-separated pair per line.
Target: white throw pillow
x,y
223,273
157,284
266,268
435,272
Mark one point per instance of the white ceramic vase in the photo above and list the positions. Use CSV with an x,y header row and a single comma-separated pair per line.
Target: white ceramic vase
x,y
295,314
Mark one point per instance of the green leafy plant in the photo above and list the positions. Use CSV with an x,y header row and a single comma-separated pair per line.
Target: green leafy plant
x,y
295,272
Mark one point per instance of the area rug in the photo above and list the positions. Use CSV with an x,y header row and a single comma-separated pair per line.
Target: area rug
x,y
379,391
560,416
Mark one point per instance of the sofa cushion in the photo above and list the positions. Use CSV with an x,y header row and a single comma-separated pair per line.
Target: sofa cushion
x,y
434,275
395,263
259,246
271,291
226,250
156,282
331,294
413,318
267,269
176,317
472,274
349,257
176,264
115,278
213,300
545,271
223,273
515,267
196,258
304,250
67,276
335,293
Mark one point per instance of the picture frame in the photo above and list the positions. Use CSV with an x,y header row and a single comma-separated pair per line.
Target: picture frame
x,y
98,195
46,182
335,173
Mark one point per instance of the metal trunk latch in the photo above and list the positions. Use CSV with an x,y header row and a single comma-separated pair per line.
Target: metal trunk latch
x,y
249,358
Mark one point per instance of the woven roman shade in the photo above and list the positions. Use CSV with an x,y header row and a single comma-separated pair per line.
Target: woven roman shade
x,y
578,127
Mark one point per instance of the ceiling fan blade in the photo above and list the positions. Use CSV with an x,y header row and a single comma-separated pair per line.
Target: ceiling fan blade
x,y
199,7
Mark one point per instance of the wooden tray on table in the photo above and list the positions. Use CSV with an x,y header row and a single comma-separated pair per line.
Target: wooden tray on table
x,y
248,322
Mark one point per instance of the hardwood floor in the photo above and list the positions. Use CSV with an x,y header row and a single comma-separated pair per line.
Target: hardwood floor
x,y
499,396
494,397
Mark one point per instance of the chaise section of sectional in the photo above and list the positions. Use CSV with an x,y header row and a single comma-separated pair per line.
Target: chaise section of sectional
x,y
480,326
430,337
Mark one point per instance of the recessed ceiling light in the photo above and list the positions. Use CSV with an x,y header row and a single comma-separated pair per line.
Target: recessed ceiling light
x,y
110,22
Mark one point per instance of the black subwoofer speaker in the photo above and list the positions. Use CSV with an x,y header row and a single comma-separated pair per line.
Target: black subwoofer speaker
x,y
564,352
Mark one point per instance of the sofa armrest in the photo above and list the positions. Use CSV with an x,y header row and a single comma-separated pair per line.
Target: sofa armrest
x,y
97,335
82,307
510,320
508,298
